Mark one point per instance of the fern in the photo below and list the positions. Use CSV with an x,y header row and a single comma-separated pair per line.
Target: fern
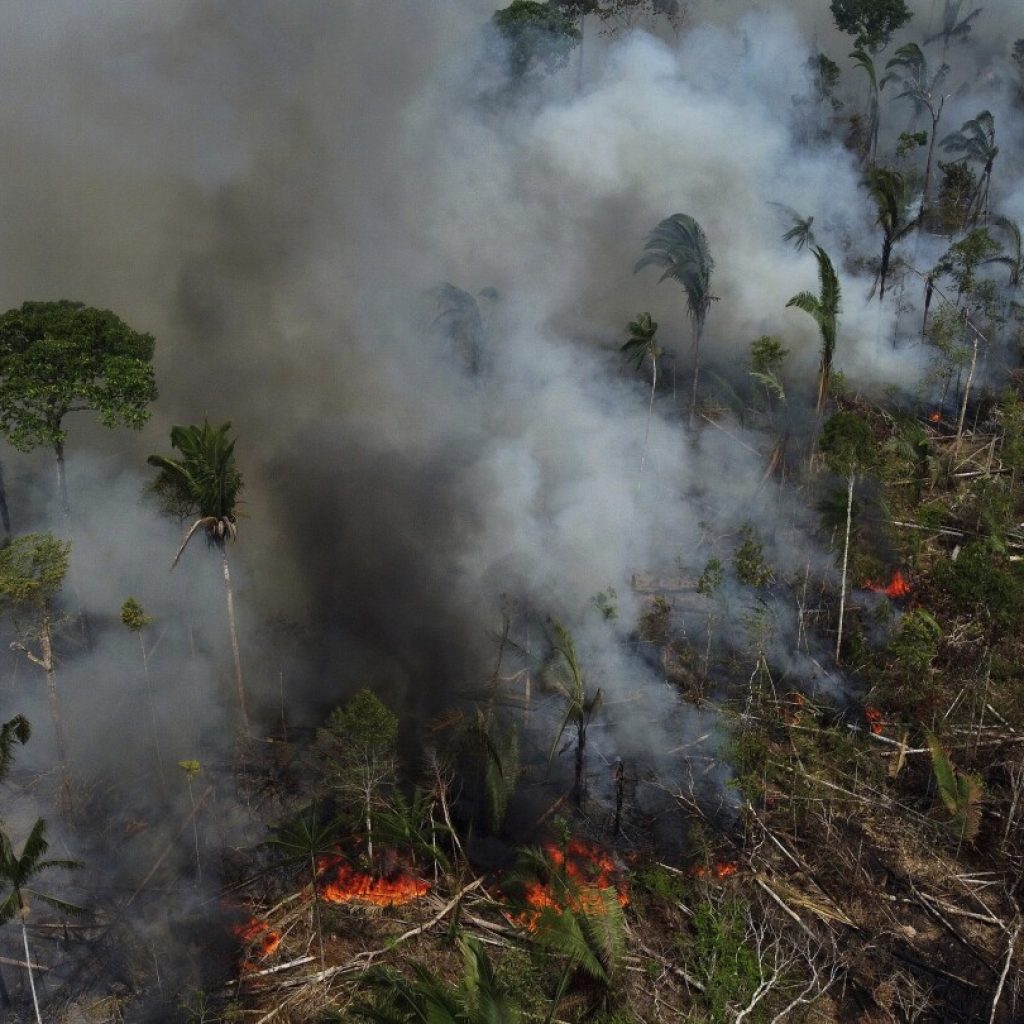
x,y
959,792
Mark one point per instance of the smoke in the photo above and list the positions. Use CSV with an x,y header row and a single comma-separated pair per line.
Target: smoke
x,y
271,191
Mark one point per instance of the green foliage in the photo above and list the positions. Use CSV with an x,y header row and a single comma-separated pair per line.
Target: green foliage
x,y
767,354
660,885
61,357
303,839
407,823
32,570
654,621
712,578
134,616
679,246
478,997
981,581
493,750
604,602
909,141
960,793
870,22
1011,416
580,706
720,958
18,871
204,481
537,37
956,194
826,77
640,345
16,729
824,308
847,443
749,562
963,258
832,508
916,643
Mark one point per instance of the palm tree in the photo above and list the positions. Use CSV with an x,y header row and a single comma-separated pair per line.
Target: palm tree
x,y
678,245
1015,260
953,26
302,841
206,480
478,997
17,728
580,707
864,61
801,233
976,141
639,347
910,69
459,318
824,307
892,196
16,872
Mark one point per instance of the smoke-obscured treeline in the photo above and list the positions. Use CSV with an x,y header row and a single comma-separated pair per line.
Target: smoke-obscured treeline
x,y
538,536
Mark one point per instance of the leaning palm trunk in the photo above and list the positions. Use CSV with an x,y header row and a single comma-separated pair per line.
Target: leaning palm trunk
x,y
846,560
28,965
967,390
49,666
235,652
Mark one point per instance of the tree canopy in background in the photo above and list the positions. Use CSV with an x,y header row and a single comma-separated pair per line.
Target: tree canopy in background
x,y
870,22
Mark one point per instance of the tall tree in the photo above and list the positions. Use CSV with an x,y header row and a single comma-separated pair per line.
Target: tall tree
x,y
17,728
62,357
459,318
848,446
579,705
864,61
205,480
32,571
824,308
358,744
892,197
976,141
17,872
679,246
870,22
909,68
801,230
640,347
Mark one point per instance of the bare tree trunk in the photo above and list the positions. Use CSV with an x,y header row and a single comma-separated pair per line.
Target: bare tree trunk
x,y
152,715
967,390
581,743
234,640
49,666
28,966
5,514
369,829
62,480
697,328
846,560
928,163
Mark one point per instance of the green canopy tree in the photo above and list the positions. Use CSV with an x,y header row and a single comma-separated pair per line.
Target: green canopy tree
x,y
17,873
358,744
537,37
870,22
62,357
909,68
824,308
679,246
976,141
848,446
892,197
204,481
32,572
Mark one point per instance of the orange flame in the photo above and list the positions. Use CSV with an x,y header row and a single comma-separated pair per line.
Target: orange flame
x,y
935,416
592,873
874,717
898,586
720,870
258,937
345,885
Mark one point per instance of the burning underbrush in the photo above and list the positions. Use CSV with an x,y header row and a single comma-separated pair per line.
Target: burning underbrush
x,y
338,882
897,587
579,877
258,939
